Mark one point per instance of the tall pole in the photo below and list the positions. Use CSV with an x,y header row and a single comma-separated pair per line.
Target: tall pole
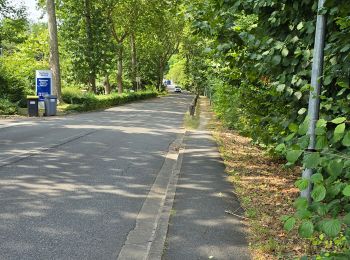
x,y
316,82
54,55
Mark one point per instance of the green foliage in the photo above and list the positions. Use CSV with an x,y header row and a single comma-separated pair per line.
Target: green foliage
x,y
258,53
7,107
177,71
17,69
87,101
289,224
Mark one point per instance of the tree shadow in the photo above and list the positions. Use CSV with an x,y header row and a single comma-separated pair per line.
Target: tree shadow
x,y
78,199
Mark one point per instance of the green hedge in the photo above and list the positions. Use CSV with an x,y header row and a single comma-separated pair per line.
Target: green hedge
x,y
87,101
7,107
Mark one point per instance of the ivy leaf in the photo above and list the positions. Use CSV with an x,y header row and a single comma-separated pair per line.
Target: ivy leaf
x,y
302,111
321,142
302,184
321,123
346,191
346,139
311,160
317,178
338,120
276,60
346,219
289,137
293,156
345,48
303,214
300,26
339,132
281,87
318,193
289,224
327,80
306,229
280,148
285,52
335,167
304,127
293,127
298,95
301,203
331,227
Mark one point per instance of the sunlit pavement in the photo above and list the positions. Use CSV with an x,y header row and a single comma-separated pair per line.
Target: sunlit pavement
x,y
102,186
200,227
73,187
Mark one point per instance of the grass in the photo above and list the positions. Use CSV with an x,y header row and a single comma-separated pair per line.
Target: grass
x,y
266,191
192,122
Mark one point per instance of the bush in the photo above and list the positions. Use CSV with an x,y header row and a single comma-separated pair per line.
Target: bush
x,y
7,107
87,101
12,89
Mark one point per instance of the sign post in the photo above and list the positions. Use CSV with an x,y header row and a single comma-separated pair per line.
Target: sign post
x,y
43,83
138,83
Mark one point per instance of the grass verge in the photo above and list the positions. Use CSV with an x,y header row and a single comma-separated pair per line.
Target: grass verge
x,y
266,191
192,122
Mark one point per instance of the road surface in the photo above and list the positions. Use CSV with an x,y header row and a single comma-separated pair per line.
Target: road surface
x,y
87,186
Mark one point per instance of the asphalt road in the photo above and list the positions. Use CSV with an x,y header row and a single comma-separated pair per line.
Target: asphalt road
x,y
72,187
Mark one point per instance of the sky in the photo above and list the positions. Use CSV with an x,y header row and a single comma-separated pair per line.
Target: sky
x,y
33,13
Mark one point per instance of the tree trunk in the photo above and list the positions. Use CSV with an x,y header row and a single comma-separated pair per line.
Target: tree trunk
x,y
120,69
92,82
54,55
160,75
133,60
90,47
107,85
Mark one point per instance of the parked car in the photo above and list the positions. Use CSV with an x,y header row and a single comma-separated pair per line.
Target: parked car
x,y
177,89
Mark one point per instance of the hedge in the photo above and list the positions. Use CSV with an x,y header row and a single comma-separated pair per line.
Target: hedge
x,y
7,107
86,101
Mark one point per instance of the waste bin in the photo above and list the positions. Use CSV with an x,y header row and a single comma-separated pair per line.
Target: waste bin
x,y
32,104
50,105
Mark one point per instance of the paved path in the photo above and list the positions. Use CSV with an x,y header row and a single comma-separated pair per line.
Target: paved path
x,y
102,185
83,186
199,227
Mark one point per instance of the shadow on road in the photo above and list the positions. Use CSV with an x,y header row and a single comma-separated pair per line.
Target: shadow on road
x,y
79,199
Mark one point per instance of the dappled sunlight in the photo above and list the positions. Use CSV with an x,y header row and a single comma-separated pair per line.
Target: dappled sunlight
x,y
199,226
267,189
81,180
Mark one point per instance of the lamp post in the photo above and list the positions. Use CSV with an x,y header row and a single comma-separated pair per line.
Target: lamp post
x,y
316,83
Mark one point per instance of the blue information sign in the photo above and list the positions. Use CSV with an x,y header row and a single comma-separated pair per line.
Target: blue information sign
x,y
43,83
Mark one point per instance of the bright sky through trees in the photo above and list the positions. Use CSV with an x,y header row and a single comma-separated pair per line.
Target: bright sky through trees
x,y
33,12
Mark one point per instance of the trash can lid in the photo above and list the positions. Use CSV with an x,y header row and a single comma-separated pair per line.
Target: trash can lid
x,y
50,96
32,97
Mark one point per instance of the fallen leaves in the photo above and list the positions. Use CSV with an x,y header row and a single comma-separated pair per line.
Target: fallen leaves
x,y
264,187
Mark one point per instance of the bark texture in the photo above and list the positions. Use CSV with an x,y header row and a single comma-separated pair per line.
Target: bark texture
x,y
54,54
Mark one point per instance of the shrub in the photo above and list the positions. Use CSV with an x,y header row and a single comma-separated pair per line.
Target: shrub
x,y
88,101
13,89
7,107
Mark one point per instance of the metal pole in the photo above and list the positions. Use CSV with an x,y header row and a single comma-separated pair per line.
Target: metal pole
x,y
316,82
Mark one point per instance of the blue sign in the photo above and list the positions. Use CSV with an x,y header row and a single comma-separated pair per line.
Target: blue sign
x,y
43,83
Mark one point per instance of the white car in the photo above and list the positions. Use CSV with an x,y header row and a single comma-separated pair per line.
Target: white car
x,y
177,89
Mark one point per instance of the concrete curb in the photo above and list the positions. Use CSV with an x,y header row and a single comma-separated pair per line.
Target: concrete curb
x,y
158,246
146,240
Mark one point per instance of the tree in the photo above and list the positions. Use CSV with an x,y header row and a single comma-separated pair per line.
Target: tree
x,y
120,29
54,54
